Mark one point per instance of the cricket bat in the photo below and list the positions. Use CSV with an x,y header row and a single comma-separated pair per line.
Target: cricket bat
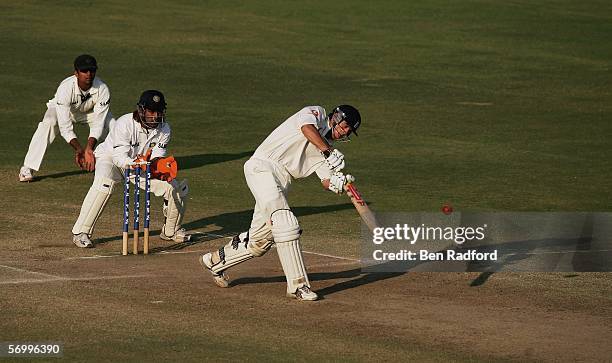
x,y
362,208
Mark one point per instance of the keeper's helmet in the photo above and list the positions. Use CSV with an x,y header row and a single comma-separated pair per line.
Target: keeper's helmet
x,y
153,101
346,113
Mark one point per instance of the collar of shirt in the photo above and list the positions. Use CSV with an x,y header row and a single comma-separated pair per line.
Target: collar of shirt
x,y
93,90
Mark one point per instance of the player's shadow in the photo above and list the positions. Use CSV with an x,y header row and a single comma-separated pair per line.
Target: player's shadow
x,y
581,261
232,223
199,160
225,224
59,175
357,277
184,162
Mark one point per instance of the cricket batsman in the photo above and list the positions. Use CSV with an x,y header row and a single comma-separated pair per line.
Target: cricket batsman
x,y
300,146
141,135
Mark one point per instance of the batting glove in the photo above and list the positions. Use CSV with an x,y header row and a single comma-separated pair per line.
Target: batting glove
x,y
335,160
338,181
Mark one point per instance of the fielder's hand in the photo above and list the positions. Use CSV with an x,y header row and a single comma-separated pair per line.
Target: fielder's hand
x,y
79,159
338,181
89,160
335,160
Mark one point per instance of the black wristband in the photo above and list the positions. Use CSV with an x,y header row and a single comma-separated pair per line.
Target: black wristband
x,y
326,153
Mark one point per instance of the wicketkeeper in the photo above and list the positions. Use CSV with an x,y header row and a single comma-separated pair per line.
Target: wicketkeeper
x,y
141,135
298,147
80,98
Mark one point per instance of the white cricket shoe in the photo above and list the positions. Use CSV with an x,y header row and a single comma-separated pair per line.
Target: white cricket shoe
x,y
26,174
82,240
304,293
220,279
180,235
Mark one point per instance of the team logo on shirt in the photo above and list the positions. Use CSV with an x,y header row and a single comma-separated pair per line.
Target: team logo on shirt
x,y
315,113
105,103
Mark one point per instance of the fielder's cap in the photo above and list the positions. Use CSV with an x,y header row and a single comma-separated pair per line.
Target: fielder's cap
x,y
153,100
85,62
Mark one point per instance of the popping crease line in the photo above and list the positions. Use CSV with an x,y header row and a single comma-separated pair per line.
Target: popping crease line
x,y
332,256
552,252
30,272
59,278
51,278
202,251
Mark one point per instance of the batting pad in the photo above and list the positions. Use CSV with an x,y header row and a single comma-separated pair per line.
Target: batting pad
x,y
232,254
285,226
290,255
174,212
93,205
260,247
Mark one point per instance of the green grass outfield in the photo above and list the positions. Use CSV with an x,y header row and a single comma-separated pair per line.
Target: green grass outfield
x,y
487,105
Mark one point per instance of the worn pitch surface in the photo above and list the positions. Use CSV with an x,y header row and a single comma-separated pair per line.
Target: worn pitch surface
x,y
106,306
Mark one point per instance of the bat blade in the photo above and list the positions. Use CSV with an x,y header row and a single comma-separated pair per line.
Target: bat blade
x,y
362,207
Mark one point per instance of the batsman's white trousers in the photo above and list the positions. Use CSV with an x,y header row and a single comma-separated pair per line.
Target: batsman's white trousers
x,y
47,131
269,184
105,169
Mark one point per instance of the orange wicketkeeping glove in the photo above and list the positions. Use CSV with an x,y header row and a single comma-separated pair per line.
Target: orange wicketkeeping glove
x,y
164,169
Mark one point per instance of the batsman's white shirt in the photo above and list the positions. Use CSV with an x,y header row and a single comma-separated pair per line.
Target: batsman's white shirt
x,y
284,155
128,139
288,147
74,105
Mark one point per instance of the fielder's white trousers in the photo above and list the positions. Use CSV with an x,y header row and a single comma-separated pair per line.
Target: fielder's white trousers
x,y
106,170
47,131
269,184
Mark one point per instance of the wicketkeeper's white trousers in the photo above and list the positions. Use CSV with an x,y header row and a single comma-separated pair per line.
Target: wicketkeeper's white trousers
x,y
109,177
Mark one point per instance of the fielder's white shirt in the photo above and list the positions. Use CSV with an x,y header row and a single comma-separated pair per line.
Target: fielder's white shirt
x,y
288,147
72,105
128,139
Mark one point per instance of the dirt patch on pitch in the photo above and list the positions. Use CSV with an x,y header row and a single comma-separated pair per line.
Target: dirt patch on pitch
x,y
94,304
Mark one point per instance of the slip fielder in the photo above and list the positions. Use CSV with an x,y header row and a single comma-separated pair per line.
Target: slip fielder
x,y
80,98
298,147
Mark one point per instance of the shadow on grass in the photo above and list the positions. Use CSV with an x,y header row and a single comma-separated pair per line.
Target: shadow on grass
x,y
235,222
59,175
184,162
581,261
356,275
227,224
199,160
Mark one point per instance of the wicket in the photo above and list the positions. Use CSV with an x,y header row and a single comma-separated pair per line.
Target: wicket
x,y
126,207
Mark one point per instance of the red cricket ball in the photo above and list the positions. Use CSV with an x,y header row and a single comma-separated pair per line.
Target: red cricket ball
x,y
447,209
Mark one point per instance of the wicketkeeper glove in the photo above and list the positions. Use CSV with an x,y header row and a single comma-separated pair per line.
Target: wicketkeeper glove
x,y
334,159
164,168
338,181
